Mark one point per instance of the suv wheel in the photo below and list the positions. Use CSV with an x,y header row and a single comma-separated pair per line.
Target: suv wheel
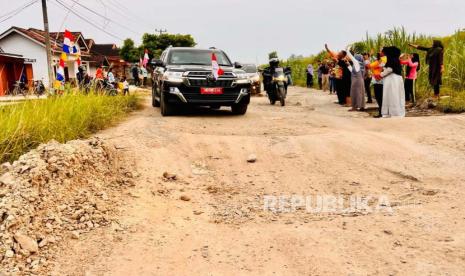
x,y
155,103
239,109
167,109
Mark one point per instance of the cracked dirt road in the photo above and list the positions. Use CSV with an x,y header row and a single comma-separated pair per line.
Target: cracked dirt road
x,y
311,147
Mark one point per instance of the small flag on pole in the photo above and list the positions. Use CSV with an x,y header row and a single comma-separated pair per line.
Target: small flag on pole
x,y
216,69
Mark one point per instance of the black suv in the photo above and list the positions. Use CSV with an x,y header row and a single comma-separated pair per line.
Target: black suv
x,y
184,76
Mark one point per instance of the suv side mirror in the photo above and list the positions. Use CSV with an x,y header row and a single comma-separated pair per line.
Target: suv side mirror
x,y
237,65
158,63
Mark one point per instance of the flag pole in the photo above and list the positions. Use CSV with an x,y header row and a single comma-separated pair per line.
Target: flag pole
x,y
48,47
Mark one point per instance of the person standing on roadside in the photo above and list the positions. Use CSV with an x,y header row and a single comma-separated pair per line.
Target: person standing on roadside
x,y
413,66
376,68
344,82
357,88
320,75
310,76
135,75
367,77
125,86
325,77
393,84
435,60
332,78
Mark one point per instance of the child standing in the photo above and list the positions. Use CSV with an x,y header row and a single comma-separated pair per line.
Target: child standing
x,y
413,66
125,86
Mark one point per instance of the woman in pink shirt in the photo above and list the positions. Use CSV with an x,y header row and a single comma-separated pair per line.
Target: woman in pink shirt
x,y
413,66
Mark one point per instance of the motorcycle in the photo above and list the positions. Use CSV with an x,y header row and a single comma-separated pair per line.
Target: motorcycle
x,y
39,88
107,88
277,82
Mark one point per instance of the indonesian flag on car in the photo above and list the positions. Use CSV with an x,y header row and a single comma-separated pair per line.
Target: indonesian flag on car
x,y
216,70
68,43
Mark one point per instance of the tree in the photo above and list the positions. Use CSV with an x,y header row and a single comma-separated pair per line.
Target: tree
x,y
156,44
129,52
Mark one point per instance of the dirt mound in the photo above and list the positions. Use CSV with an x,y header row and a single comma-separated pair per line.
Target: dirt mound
x,y
53,193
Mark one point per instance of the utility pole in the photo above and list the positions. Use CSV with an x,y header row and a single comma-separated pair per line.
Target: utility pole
x,y
161,31
48,48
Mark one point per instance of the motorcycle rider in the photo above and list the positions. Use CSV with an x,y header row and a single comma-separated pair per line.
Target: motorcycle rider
x,y
268,73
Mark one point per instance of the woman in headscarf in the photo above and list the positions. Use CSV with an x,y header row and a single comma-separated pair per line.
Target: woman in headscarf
x,y
357,88
435,60
393,84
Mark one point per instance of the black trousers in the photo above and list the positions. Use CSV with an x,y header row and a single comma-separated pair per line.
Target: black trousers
x,y
379,96
320,82
368,89
343,90
309,80
437,89
408,84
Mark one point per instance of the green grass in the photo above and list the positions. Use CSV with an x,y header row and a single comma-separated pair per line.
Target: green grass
x,y
453,103
25,125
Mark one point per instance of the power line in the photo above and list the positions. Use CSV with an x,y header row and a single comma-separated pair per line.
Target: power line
x,y
88,21
124,8
104,17
15,12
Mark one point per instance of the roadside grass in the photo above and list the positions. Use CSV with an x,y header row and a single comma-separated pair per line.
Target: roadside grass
x,y
25,125
453,103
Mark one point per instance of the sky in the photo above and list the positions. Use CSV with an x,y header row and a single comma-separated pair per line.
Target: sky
x,y
246,29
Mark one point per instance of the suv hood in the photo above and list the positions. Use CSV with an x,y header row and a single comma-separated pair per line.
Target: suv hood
x,y
199,68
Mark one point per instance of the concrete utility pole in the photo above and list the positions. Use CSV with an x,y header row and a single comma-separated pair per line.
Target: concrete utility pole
x,y
48,48
161,31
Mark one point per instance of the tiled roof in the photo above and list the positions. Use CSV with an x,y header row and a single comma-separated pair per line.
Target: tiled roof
x,y
56,38
105,49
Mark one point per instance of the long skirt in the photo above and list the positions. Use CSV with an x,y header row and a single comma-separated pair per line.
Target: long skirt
x,y
393,96
357,90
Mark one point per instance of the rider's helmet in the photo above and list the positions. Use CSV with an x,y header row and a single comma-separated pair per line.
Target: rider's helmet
x,y
274,62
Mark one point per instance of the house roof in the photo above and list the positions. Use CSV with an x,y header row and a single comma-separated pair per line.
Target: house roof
x,y
105,49
98,53
38,36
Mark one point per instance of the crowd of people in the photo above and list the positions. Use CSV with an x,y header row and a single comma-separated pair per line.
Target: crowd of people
x,y
107,79
351,75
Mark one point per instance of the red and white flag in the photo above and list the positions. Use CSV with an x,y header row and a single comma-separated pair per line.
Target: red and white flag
x,y
216,70
146,58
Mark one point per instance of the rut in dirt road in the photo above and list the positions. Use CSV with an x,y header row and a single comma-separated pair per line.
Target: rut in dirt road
x,y
207,217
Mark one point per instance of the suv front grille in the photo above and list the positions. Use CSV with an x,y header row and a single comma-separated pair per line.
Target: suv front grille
x,y
199,79
196,97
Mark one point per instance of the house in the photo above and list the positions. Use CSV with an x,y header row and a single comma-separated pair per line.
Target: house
x,y
11,68
108,56
30,43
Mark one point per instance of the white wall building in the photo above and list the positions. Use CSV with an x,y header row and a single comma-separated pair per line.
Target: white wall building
x,y
30,43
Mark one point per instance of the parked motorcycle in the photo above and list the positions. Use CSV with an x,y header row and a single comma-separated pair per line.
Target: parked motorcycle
x,y
107,88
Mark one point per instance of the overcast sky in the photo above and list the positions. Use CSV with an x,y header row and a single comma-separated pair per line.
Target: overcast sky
x,y
248,29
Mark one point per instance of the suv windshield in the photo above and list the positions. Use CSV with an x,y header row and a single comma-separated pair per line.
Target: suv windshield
x,y
196,57
249,68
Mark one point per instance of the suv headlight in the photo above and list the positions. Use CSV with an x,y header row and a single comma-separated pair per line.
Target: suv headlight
x,y
255,78
242,78
173,76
